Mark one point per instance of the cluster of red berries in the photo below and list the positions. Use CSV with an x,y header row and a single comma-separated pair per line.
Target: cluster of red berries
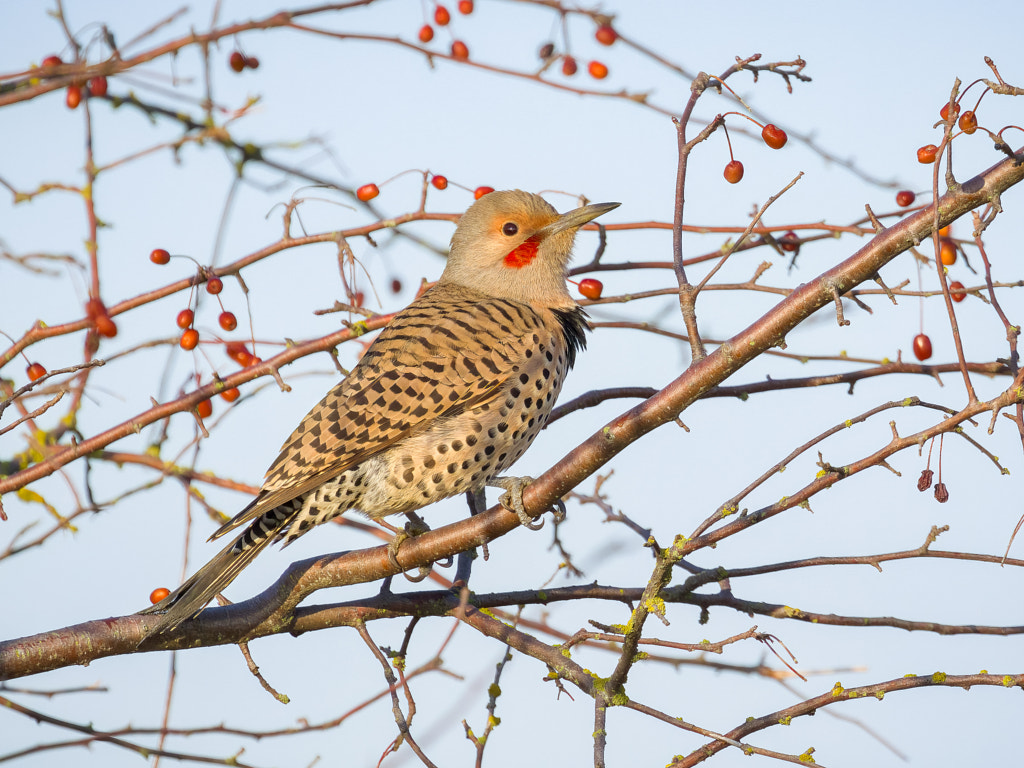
x,y
96,86
771,134
605,35
443,18
948,250
367,192
100,318
238,61
967,122
214,285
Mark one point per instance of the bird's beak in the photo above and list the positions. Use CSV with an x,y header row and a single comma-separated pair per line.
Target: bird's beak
x,y
575,219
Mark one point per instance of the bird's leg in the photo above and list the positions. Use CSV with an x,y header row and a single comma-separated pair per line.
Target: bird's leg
x,y
512,500
416,526
477,500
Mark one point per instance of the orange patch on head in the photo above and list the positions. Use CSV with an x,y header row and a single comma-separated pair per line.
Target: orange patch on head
x,y
522,254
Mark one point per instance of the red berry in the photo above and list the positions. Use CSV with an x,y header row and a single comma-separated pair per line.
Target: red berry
x,y
238,352
52,61
774,137
459,50
189,339
465,7
441,16
944,112
440,182
927,153
74,96
922,347
569,66
946,231
481,191
214,285
358,298
205,409
158,594
947,251
733,171
98,86
96,311
236,61
35,371
185,318
968,122
426,33
106,327
956,291
905,198
790,242
591,288
227,321
252,62
606,35
396,285
597,70
231,394
159,256
94,308
367,192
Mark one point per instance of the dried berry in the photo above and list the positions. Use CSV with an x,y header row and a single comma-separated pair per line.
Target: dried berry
x,y
941,494
924,482
790,242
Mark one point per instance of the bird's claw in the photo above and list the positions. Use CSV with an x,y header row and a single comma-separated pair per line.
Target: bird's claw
x,y
416,526
512,500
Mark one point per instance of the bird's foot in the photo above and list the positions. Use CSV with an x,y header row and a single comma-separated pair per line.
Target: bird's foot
x,y
512,500
416,526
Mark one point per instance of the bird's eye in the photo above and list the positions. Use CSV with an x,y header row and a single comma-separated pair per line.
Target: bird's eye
x,y
509,229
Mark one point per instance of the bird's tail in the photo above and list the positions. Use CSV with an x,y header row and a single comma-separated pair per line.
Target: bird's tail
x,y
191,597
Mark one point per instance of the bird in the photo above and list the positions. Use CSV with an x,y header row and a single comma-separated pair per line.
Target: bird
x,y
448,396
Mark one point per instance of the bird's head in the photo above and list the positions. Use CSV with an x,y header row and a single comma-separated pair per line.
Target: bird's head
x,y
515,245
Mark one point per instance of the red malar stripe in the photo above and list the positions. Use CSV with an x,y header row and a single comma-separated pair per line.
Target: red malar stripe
x,y
522,255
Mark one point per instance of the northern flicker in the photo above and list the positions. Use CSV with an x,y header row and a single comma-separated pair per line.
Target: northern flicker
x,y
448,396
